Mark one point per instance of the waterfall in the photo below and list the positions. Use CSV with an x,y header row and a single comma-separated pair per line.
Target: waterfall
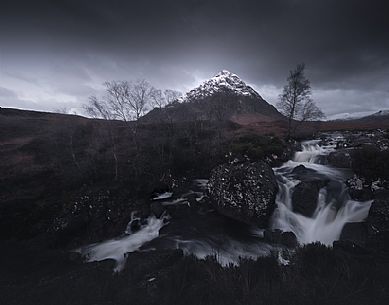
x,y
334,208
117,248
202,232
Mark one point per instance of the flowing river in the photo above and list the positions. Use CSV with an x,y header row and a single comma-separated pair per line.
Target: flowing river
x,y
197,229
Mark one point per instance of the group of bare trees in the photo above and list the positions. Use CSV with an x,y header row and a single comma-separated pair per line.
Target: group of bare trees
x,y
296,102
128,101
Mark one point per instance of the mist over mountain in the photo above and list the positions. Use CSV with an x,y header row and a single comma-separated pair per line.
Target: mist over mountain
x,y
133,172
56,55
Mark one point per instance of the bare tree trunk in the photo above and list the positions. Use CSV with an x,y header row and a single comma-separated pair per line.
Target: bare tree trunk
x,y
115,157
289,126
73,154
116,161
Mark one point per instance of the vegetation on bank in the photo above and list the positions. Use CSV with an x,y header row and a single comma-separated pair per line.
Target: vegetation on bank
x,y
315,275
52,162
371,163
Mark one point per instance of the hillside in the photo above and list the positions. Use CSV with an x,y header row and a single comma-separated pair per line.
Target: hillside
x,y
223,97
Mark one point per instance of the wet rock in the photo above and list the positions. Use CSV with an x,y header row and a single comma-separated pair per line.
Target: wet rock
x,y
272,236
379,212
378,221
276,236
359,189
135,225
349,247
302,170
244,191
336,193
303,173
305,196
289,239
75,256
340,158
355,232
157,209
191,198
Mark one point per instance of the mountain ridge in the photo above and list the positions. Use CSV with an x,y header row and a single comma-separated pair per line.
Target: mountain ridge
x,y
220,98
224,80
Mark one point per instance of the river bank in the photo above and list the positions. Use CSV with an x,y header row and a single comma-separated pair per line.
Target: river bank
x,y
166,264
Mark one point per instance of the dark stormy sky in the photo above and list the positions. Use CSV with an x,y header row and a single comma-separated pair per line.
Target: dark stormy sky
x,y
55,54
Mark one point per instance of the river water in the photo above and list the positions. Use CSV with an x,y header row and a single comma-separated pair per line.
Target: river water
x,y
193,226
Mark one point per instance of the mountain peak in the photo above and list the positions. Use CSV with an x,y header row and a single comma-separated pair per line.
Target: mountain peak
x,y
225,73
224,81
381,113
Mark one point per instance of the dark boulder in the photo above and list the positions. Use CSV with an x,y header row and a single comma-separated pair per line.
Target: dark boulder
x,y
336,193
91,216
340,158
157,209
379,211
378,220
302,170
355,232
350,247
359,189
303,173
276,236
272,236
244,191
289,239
305,196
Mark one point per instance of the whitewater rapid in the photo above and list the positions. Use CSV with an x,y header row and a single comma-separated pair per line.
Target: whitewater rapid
x,y
198,230
333,211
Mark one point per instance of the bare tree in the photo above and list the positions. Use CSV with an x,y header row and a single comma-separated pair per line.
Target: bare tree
x,y
310,112
160,99
103,109
62,110
295,100
118,99
140,97
99,109
123,100
171,95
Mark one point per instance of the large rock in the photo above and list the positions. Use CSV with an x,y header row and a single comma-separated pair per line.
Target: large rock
x,y
305,196
359,189
379,212
244,191
340,158
276,236
378,221
303,173
355,232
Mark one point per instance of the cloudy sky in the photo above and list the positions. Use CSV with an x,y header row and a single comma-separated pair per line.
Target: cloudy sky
x,y
54,54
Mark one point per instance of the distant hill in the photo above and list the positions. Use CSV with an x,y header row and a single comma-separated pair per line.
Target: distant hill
x,y
378,119
223,97
380,115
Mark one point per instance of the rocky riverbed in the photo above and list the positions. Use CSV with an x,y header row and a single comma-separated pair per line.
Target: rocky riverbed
x,y
254,223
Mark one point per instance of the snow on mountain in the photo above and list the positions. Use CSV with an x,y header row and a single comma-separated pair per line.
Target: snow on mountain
x,y
222,97
381,113
221,82
348,116
358,115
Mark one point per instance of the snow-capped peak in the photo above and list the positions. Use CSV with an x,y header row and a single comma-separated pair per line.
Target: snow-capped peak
x,y
223,81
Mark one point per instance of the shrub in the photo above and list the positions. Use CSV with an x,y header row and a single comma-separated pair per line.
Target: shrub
x,y
371,163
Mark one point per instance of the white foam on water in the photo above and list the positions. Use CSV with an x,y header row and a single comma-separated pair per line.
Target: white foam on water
x,y
117,248
328,220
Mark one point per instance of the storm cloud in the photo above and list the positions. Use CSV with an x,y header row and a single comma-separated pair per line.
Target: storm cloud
x,y
56,53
